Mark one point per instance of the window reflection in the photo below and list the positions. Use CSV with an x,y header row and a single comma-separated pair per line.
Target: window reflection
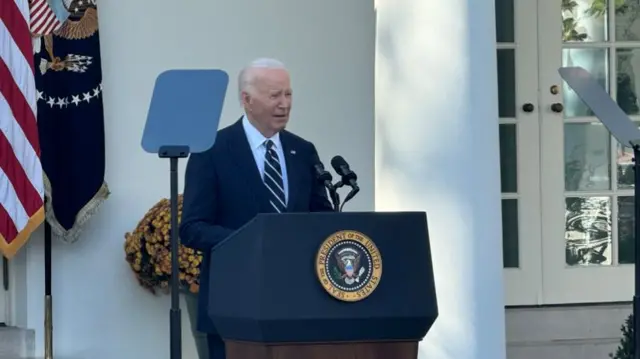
x,y
588,231
595,61
584,20
587,153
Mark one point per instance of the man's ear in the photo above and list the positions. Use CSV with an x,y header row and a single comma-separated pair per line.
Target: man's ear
x,y
246,98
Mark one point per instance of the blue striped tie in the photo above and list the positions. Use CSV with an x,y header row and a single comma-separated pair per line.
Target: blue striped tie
x,y
273,178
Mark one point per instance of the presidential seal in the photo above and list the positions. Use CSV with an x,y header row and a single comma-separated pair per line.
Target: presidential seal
x,y
349,266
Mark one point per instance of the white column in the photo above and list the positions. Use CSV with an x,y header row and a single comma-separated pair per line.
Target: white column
x,y
437,151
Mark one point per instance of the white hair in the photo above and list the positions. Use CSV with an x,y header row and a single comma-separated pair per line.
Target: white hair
x,y
246,77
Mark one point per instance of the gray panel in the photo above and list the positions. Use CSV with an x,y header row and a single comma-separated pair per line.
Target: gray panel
x,y
602,105
185,110
566,332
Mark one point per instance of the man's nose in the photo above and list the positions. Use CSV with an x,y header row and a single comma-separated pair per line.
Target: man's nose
x,y
284,103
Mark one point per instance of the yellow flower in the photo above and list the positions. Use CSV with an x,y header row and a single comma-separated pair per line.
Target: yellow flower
x,y
148,251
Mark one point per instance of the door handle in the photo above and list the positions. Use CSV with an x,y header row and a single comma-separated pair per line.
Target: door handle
x,y
557,107
528,107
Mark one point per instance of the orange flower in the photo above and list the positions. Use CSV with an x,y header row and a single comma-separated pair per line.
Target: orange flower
x,y
148,251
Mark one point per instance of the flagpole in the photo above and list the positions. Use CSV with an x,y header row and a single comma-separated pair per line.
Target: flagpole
x,y
48,316
5,273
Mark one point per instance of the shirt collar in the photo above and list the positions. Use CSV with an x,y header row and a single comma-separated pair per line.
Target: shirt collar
x,y
255,138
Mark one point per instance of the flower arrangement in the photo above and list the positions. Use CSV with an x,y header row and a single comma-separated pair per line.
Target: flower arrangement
x,y
148,251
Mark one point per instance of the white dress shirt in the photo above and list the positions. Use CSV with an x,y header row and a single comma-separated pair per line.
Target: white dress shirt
x,y
259,150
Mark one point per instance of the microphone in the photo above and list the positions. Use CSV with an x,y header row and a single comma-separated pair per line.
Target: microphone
x,y
348,177
342,168
325,177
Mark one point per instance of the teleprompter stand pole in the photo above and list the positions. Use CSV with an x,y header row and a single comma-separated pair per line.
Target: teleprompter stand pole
x,y
636,296
173,153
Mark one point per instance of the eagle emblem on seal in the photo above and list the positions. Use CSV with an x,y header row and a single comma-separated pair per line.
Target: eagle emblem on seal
x,y
348,262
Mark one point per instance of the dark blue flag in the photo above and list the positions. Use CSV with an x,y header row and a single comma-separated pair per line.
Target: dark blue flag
x,y
70,117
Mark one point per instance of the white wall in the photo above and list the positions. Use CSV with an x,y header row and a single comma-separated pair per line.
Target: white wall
x,y
99,309
437,150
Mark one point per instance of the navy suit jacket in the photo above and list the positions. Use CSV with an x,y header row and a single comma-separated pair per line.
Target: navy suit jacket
x,y
224,190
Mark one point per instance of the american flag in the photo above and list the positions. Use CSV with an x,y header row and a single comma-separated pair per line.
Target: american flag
x,y
21,180
43,19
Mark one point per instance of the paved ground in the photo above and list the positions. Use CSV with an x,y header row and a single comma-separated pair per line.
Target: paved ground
x,y
16,343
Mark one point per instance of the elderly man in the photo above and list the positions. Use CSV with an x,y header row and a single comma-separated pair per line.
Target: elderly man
x,y
255,166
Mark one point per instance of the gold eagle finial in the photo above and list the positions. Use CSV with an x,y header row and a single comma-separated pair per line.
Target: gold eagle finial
x,y
81,24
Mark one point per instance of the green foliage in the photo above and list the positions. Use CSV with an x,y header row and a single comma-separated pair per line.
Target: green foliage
x,y
599,7
569,22
625,349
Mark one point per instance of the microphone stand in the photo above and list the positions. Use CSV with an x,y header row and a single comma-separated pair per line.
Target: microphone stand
x,y
333,194
325,178
350,195
354,190
335,197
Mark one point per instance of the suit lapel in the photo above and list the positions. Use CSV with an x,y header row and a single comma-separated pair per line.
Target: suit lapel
x,y
294,168
241,155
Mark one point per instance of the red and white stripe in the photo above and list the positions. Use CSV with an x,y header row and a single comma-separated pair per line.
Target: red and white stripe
x,y
21,179
43,19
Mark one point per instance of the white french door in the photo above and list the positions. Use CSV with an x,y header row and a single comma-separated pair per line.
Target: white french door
x,y
587,179
567,185
519,149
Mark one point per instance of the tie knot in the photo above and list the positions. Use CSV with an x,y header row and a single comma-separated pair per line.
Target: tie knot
x,y
268,144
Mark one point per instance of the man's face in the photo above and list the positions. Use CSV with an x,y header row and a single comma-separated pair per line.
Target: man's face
x,y
268,101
